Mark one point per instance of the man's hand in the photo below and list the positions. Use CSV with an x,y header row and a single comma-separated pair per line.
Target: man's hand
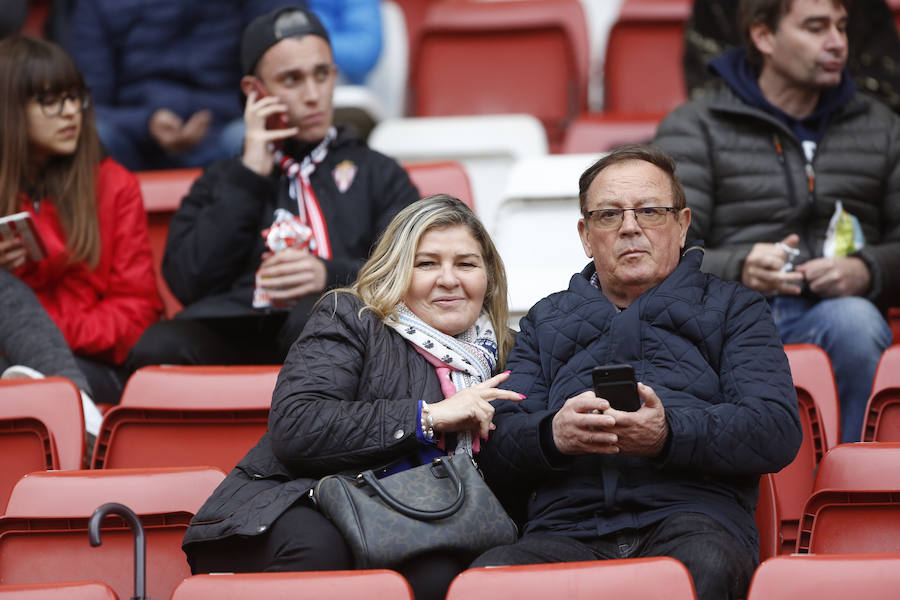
x,y
12,254
837,277
257,148
643,432
291,274
762,268
579,428
175,136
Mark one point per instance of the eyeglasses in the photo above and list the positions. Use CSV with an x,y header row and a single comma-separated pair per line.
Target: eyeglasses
x,y
612,218
52,103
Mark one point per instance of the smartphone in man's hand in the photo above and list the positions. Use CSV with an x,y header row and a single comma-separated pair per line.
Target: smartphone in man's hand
x,y
276,121
617,385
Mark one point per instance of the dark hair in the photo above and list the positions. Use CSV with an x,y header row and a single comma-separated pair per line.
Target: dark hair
x,y
644,152
769,13
29,67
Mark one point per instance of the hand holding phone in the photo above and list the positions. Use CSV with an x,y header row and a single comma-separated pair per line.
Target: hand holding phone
x,y
20,226
276,121
617,385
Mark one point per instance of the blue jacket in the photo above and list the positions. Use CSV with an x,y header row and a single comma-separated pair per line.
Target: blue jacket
x,y
708,348
141,55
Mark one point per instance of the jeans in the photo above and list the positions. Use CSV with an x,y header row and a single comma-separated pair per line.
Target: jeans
x,y
720,565
220,142
852,332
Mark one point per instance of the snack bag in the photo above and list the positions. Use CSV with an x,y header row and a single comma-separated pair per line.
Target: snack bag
x,y
287,231
844,235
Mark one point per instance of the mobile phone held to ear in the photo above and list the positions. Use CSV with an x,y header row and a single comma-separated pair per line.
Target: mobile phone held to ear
x,y
617,385
276,121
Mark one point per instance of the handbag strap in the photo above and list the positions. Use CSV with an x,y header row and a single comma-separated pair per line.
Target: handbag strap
x,y
415,513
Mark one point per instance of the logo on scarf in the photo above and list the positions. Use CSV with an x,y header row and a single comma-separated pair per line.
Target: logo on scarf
x,y
343,174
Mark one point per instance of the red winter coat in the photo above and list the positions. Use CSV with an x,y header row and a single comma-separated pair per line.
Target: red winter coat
x,y
101,312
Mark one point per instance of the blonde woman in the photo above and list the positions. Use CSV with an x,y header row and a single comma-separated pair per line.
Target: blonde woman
x,y
351,395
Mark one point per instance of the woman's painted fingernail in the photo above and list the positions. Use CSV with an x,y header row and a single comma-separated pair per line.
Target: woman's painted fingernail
x,y
506,372
522,396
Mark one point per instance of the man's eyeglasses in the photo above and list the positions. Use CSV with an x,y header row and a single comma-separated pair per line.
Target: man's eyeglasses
x,y
52,103
612,218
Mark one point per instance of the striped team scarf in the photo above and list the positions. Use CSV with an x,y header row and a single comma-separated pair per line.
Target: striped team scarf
x,y
461,361
301,192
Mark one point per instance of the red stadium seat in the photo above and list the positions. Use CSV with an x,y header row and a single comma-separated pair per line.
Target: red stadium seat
x,y
894,314
162,192
186,415
77,590
333,585
643,73
855,504
635,579
600,132
522,56
829,577
767,520
447,177
882,422
43,536
41,427
819,418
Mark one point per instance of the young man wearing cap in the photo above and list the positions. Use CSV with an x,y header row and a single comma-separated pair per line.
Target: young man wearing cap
x,y
244,303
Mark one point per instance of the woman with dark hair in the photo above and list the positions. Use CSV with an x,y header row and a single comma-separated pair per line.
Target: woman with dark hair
x,y
409,356
94,292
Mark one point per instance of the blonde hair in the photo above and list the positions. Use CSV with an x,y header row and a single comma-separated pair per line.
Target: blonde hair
x,y
385,278
29,67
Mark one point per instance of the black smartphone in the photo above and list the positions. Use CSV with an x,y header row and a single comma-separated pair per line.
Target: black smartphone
x,y
617,385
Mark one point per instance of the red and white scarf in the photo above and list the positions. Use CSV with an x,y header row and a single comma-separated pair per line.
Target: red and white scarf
x,y
301,191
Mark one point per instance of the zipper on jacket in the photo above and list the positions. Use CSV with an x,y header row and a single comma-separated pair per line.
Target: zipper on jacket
x,y
811,182
779,150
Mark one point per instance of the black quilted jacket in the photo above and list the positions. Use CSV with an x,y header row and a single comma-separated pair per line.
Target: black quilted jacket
x,y
710,351
346,399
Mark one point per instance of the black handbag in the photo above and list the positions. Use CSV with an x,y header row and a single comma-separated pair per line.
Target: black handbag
x,y
444,505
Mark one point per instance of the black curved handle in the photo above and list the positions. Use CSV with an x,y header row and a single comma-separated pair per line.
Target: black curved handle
x,y
140,542
416,513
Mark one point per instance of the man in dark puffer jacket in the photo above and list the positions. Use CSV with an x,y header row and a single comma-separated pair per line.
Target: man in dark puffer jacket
x,y
764,161
680,476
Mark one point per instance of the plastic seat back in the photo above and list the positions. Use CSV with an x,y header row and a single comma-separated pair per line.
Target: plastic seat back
x,y
162,192
43,536
882,422
486,146
333,585
41,427
76,590
819,419
446,177
535,227
187,415
642,70
834,577
855,503
599,132
767,519
522,56
635,579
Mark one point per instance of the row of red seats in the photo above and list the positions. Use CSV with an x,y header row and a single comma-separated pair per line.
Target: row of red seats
x,y
179,416
43,541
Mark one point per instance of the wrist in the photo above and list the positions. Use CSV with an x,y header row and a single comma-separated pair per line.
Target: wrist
x,y
426,421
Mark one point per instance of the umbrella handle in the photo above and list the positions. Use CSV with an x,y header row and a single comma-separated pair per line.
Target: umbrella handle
x,y
140,543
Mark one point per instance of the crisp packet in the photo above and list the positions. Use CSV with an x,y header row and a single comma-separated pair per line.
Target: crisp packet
x,y
286,231
844,235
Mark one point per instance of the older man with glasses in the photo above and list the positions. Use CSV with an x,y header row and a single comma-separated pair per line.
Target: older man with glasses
x,y
679,476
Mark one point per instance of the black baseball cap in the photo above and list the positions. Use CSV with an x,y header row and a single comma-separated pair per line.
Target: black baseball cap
x,y
266,30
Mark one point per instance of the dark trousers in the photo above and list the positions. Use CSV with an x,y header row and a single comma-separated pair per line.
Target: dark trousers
x,y
302,539
252,340
720,565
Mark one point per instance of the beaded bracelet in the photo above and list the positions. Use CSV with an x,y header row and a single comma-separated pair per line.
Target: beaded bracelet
x,y
427,423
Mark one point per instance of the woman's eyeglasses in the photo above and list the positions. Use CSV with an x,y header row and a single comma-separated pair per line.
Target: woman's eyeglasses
x,y
612,218
52,103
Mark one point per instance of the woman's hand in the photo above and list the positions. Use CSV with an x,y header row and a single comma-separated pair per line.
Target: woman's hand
x,y
12,254
471,409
